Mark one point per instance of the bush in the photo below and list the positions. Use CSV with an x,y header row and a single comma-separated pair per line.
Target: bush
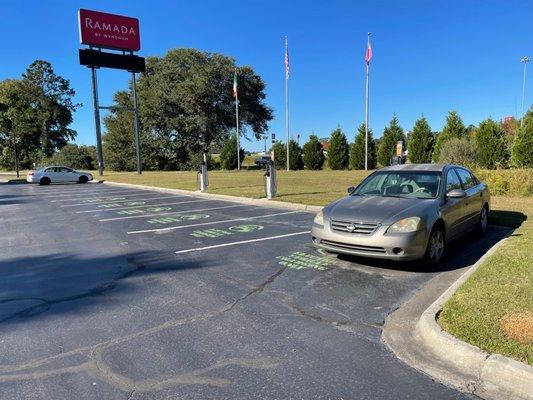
x,y
458,151
509,182
522,152
338,152
77,157
387,145
228,155
491,145
421,142
357,150
453,129
313,154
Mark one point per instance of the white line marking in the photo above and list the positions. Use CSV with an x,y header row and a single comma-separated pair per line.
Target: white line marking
x,y
216,246
93,195
174,212
79,189
146,205
119,201
171,228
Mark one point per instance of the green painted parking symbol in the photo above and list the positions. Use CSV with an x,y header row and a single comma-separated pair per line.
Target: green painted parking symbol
x,y
245,228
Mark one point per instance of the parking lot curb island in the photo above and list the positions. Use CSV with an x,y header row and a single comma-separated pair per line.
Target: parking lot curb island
x,y
446,358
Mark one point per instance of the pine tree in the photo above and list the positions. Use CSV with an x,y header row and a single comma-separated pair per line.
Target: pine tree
x,y
228,155
313,154
454,128
295,156
280,155
490,139
421,142
338,152
357,150
387,145
522,153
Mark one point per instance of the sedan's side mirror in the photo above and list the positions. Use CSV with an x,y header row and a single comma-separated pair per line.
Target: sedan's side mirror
x,y
351,189
456,194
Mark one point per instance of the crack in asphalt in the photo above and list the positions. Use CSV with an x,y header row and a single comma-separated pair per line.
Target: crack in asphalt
x,y
96,367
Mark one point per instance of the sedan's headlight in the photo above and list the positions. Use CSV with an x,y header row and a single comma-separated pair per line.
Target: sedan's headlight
x,y
319,218
410,224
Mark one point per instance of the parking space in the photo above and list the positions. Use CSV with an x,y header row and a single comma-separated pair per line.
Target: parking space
x,y
110,292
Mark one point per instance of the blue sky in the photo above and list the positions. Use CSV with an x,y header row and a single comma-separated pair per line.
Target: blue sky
x,y
429,56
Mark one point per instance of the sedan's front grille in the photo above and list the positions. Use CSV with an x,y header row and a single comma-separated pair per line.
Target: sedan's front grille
x,y
353,247
353,227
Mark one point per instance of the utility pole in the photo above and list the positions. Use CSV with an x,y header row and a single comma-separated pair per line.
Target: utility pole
x,y
524,60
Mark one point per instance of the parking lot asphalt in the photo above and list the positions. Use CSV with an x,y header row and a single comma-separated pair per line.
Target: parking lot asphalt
x,y
113,293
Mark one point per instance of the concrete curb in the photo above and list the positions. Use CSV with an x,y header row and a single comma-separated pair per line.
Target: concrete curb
x,y
413,334
235,199
495,376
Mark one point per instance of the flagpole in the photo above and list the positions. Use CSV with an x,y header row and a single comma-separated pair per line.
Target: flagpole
x,y
366,106
237,126
287,97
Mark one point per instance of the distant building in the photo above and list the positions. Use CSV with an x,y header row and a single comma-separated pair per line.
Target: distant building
x,y
325,146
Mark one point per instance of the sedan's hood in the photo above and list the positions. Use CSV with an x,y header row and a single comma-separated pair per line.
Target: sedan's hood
x,y
371,209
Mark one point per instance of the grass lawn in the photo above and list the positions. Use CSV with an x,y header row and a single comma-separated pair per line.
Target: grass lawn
x,y
493,309
306,187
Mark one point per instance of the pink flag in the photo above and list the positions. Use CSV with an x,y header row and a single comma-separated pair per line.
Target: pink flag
x,y
368,56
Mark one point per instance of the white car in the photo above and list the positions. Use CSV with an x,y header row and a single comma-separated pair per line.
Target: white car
x,y
55,174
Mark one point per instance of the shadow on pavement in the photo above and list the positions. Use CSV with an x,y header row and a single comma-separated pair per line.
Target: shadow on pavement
x,y
30,286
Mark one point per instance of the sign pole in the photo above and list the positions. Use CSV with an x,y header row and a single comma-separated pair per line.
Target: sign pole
x,y
136,125
97,123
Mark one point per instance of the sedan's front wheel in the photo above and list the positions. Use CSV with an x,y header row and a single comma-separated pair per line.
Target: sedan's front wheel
x,y
435,248
83,179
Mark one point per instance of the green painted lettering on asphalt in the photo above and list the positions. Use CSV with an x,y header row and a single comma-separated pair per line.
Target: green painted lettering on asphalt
x,y
232,230
300,260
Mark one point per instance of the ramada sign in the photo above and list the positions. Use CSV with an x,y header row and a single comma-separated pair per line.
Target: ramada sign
x,y
109,30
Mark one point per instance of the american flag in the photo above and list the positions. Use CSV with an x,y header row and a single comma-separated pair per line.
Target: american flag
x,y
287,68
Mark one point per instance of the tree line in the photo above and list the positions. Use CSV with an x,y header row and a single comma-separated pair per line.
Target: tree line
x,y
489,145
186,108
35,115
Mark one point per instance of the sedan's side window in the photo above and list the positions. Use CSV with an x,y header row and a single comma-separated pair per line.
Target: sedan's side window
x,y
49,170
452,181
466,178
66,169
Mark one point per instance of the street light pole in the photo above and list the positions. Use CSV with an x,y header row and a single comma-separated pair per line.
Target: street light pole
x,y
524,60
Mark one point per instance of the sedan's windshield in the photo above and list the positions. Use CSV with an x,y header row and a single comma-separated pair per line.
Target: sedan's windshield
x,y
418,184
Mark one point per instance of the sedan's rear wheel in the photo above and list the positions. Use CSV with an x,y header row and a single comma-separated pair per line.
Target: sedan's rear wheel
x,y
82,179
435,248
45,181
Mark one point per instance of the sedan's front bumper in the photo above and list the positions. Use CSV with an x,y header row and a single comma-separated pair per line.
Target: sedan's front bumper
x,y
379,244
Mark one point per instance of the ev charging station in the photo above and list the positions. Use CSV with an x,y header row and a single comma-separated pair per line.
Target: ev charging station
x,y
271,185
203,179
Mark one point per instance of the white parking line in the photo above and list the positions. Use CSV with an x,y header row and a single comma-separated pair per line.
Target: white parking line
x,y
93,195
118,201
146,205
216,246
171,228
174,212
78,189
